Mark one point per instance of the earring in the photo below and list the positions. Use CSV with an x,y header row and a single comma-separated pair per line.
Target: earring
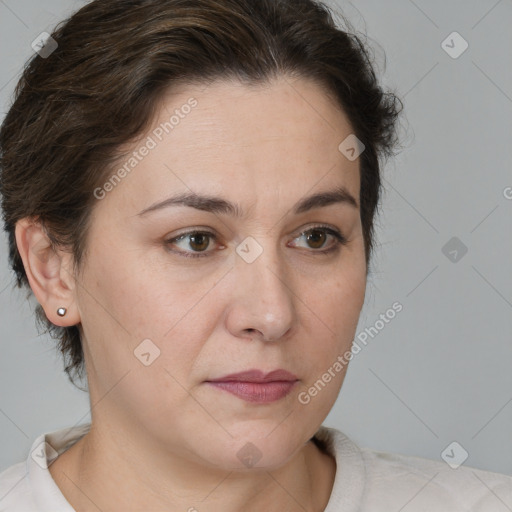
x,y
61,311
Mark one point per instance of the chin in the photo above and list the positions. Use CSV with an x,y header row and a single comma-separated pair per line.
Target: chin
x,y
255,445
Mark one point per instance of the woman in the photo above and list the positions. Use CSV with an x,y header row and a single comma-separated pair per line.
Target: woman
x,y
196,224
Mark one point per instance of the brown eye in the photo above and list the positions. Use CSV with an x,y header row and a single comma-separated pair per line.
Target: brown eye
x,y
199,242
192,244
316,238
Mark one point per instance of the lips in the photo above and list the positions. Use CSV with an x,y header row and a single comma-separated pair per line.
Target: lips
x,y
255,386
257,376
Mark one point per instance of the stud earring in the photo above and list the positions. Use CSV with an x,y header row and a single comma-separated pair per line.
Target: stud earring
x,y
61,311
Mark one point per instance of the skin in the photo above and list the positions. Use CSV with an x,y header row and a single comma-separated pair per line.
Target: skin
x,y
161,437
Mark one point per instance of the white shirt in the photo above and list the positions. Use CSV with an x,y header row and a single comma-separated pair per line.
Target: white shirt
x,y
366,480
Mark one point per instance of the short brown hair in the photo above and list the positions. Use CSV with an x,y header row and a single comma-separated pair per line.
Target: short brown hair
x,y
115,59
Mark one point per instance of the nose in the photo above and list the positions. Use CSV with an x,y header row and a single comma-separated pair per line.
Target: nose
x,y
263,302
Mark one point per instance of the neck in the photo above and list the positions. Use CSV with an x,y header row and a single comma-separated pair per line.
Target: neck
x,y
111,473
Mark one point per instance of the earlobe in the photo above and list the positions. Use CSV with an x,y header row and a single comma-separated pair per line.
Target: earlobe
x,y
47,272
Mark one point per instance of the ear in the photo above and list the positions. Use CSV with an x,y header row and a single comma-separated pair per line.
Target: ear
x,y
49,272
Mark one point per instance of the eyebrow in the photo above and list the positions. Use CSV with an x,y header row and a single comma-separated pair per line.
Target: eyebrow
x,y
219,205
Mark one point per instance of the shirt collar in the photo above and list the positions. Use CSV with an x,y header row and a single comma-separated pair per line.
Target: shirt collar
x,y
43,452
349,482
347,492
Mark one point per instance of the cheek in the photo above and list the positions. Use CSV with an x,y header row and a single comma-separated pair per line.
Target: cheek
x,y
125,304
142,334
339,298
331,319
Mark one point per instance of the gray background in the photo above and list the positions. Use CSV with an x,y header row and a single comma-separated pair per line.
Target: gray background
x,y
440,371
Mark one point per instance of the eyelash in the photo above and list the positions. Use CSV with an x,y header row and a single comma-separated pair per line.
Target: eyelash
x,y
340,240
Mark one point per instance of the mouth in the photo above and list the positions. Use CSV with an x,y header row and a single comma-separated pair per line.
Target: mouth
x,y
256,387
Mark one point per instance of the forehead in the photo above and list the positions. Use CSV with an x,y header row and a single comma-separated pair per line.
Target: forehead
x,y
270,139
247,114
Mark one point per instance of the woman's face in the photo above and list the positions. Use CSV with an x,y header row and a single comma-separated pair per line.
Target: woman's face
x,y
164,311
